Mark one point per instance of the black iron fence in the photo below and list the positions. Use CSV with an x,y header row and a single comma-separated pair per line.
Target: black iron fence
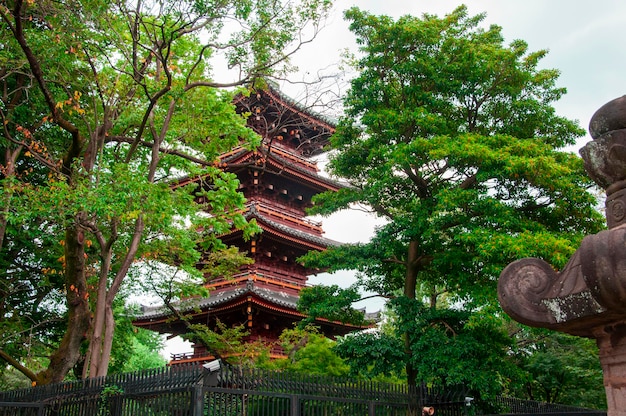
x,y
191,390
518,407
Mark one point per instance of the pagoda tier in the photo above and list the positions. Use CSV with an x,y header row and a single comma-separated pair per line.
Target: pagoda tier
x,y
279,181
264,306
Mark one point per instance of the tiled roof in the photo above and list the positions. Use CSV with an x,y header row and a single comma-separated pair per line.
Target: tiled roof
x,y
273,88
284,162
320,178
276,297
299,234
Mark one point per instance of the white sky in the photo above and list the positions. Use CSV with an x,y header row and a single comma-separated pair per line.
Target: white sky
x,y
585,40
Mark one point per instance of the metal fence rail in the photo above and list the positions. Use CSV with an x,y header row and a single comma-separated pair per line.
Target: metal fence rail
x,y
21,409
189,390
513,406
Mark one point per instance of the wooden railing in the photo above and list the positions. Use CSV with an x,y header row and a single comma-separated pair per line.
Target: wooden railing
x,y
275,351
271,210
272,279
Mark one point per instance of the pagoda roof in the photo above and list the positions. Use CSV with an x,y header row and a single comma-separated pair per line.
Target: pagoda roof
x,y
223,297
290,233
284,114
284,164
273,91
276,92
276,300
296,106
242,156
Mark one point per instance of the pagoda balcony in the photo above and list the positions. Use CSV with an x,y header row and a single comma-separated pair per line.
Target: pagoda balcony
x,y
271,279
276,352
283,214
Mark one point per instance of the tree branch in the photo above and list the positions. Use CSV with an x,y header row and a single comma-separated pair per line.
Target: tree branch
x,y
18,366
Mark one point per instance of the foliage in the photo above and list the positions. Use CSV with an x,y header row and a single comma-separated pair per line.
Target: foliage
x,y
32,307
310,352
451,137
454,346
458,150
106,105
134,348
144,356
228,344
11,379
107,393
448,347
559,368
330,302
371,354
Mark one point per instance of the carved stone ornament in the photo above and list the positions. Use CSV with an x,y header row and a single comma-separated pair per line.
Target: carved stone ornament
x,y
588,297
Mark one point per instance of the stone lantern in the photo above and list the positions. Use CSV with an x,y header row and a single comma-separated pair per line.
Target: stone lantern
x,y
588,297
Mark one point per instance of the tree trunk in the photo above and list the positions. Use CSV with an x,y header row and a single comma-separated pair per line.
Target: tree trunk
x,y
410,286
79,314
101,341
107,341
92,359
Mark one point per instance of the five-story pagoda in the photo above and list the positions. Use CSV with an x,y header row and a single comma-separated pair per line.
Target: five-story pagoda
x,y
278,180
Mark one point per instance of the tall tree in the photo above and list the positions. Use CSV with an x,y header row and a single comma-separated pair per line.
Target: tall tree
x,y
450,135
116,100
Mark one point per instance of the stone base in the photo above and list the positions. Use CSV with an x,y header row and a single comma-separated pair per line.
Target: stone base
x,y
612,344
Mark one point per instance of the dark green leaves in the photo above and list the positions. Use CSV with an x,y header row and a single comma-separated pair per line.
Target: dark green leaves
x,y
330,302
451,136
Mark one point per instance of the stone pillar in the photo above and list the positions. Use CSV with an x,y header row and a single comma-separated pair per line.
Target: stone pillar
x,y
588,297
612,344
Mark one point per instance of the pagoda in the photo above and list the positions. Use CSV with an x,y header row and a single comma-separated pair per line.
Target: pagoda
x,y
278,180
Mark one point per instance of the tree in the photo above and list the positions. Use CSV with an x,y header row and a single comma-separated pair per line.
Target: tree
x,y
371,354
558,368
330,302
112,102
133,348
310,352
228,344
449,347
451,136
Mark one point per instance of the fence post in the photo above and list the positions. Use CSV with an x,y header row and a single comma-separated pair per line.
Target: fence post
x,y
197,404
295,405
371,408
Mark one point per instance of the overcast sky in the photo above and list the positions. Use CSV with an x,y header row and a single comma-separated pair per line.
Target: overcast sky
x,y
585,40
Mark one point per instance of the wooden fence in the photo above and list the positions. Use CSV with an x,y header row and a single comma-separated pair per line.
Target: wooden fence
x,y
191,390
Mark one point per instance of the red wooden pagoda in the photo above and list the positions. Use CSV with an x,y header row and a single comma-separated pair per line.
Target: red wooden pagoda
x,y
278,180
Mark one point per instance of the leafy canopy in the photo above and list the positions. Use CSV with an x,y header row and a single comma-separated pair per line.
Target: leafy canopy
x,y
110,107
451,136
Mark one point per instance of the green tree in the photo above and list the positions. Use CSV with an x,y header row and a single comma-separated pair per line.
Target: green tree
x,y
558,368
310,352
32,309
448,347
330,302
229,344
371,354
144,355
450,135
111,102
133,348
